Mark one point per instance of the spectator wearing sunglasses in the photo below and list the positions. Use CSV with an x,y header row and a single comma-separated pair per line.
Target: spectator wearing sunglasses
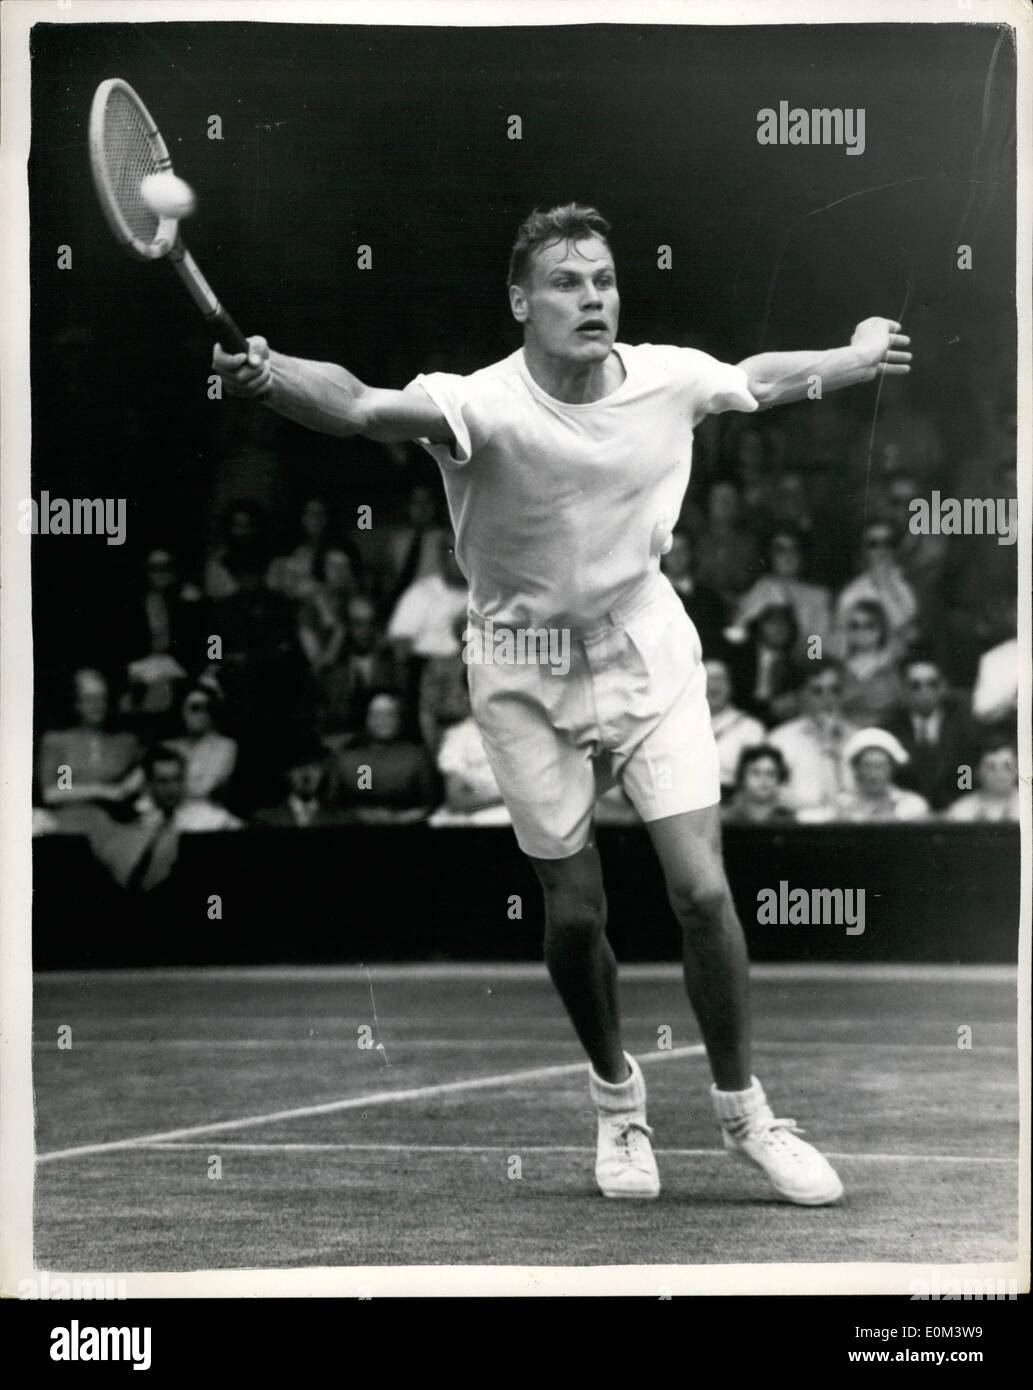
x,y
209,757
934,730
871,683
784,586
881,581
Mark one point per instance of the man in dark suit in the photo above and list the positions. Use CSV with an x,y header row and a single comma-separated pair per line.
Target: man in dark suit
x,y
305,803
935,731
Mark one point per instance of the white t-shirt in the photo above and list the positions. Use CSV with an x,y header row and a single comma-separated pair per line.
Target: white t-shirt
x,y
561,511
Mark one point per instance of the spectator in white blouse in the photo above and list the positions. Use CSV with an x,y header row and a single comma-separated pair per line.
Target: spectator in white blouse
x,y
995,697
813,744
733,729
996,797
423,622
472,795
209,757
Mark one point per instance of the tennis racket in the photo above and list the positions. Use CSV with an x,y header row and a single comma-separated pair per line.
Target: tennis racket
x,y
126,146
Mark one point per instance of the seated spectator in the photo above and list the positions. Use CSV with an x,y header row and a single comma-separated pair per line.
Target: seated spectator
x,y
163,620
734,731
813,744
472,795
244,523
704,606
759,778
922,557
793,502
871,681
423,622
307,796
264,677
727,559
934,730
323,620
881,581
996,797
995,697
141,855
209,757
296,574
783,586
364,665
764,667
161,643
874,756
444,692
384,779
412,550
88,772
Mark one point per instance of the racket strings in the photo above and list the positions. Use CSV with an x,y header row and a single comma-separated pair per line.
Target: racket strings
x,y
130,157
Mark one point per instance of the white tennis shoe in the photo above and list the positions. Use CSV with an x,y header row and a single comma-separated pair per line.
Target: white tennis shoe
x,y
624,1162
796,1170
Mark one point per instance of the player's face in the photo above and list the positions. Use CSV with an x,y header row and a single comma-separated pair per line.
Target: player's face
x,y
570,304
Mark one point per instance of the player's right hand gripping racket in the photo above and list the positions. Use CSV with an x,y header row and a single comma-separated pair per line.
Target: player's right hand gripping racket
x,y
126,146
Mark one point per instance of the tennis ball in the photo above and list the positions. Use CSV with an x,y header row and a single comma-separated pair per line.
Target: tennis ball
x,y
168,195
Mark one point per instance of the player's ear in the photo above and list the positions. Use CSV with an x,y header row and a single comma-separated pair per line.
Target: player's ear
x,y
518,303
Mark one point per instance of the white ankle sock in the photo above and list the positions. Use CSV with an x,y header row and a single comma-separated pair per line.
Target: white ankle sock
x,y
738,1105
617,1097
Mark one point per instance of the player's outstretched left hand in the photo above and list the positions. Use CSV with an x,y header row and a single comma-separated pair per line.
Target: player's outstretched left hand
x,y
883,346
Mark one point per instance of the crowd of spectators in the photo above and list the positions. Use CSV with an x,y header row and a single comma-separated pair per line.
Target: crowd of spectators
x,y
856,671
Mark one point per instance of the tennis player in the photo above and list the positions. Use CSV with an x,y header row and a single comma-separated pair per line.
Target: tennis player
x,y
565,465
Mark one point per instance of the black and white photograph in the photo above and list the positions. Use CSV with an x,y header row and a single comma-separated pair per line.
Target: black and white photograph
x,y
517,654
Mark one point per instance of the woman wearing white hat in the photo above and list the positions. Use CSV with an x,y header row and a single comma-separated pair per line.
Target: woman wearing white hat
x,y
873,756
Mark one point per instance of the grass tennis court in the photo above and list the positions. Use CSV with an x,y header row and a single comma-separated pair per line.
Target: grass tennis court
x,y
332,1154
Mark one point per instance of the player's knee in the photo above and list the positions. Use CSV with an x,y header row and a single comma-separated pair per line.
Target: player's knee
x,y
698,899
573,924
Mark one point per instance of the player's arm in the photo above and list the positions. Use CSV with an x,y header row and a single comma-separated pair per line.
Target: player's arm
x,y
328,398
877,348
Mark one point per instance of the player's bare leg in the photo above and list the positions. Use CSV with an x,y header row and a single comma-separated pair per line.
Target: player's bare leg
x,y
584,970
580,958
715,962
717,980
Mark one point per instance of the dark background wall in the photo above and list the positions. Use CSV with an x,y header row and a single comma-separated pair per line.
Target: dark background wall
x,y
932,892
341,135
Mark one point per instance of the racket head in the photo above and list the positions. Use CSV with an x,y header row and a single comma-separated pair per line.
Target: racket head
x,y
126,146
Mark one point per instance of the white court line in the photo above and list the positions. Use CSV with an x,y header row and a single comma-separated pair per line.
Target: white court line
x,y
539,1149
409,1043
476,1083
875,972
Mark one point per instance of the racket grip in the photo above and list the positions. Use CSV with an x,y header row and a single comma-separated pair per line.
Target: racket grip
x,y
225,331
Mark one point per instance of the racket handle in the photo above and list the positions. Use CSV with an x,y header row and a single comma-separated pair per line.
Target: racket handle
x,y
225,331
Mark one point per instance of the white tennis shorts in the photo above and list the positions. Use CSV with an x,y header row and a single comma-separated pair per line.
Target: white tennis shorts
x,y
631,709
